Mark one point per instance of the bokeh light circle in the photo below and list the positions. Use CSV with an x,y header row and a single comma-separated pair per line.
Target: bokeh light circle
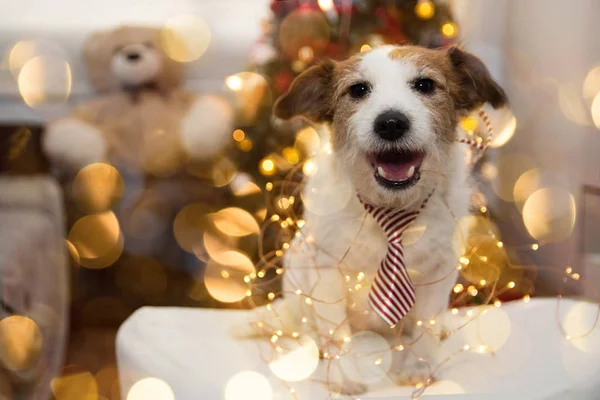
x,y
248,385
581,327
526,185
97,187
367,357
225,281
76,385
549,214
45,80
97,239
151,389
234,221
185,38
489,331
510,167
304,27
297,361
20,342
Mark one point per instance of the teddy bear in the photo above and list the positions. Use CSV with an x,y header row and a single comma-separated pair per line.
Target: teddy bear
x,y
141,118
162,140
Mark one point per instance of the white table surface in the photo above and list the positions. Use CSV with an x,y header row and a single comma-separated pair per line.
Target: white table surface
x,y
193,352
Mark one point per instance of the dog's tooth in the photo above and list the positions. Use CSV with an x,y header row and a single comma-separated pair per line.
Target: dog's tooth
x,y
411,171
381,172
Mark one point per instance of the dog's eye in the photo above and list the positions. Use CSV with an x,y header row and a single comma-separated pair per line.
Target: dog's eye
x,y
424,85
359,90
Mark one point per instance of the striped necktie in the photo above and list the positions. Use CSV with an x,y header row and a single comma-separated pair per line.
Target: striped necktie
x,y
393,293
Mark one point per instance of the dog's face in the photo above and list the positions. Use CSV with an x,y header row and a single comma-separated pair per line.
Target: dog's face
x,y
394,112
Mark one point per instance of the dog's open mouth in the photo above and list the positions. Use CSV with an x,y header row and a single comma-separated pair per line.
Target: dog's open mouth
x,y
397,169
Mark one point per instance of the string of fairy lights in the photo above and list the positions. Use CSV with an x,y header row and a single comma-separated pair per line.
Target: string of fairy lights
x,y
291,227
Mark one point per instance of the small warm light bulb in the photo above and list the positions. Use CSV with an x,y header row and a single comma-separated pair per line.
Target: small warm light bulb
x,y
279,333
497,303
432,322
267,167
568,338
472,291
458,288
360,276
225,274
269,186
365,47
274,338
326,5
295,334
304,320
308,301
279,253
466,347
510,285
238,135
575,276
470,313
260,324
234,82
482,282
500,244
279,271
419,385
261,274
569,270
455,311
535,246
271,296
483,209
464,260
347,339
247,279
400,347
449,29
298,292
526,298
419,323
248,293
425,9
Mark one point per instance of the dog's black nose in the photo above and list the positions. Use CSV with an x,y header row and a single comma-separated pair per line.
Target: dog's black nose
x,y
133,56
391,125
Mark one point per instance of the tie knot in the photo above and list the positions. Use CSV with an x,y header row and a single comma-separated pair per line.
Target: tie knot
x,y
393,222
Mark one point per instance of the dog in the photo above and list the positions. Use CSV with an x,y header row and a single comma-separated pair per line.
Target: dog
x,y
393,113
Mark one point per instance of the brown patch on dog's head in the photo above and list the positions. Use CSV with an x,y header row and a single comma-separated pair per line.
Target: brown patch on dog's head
x,y
310,95
474,83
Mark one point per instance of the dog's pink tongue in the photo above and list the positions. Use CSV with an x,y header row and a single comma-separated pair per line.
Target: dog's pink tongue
x,y
399,168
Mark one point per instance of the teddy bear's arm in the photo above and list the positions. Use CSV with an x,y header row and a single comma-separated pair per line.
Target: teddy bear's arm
x,y
75,141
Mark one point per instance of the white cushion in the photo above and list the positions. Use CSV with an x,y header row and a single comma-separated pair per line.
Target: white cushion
x,y
193,352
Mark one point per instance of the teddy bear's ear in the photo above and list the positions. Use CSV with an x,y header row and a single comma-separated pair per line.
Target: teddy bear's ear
x,y
96,55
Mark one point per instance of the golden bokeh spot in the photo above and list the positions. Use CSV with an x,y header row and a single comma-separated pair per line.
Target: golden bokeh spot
x,y
245,145
510,167
571,104
595,110
151,389
97,188
549,214
234,82
238,135
261,214
97,239
250,93
297,361
449,29
504,132
425,9
248,385
309,168
267,166
242,185
486,259
526,185
185,38
308,141
364,48
73,252
291,155
234,287
591,84
236,222
471,226
489,331
306,54
20,53
304,28
20,342
45,80
217,246
469,123
189,225
326,5
579,326
75,386
298,66
283,203
223,172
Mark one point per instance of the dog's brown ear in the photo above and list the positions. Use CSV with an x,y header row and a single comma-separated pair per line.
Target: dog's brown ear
x,y
309,95
475,85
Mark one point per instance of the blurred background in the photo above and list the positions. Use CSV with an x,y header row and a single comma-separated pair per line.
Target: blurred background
x,y
140,165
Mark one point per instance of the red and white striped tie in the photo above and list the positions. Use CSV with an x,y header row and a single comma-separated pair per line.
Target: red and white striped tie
x,y
392,294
